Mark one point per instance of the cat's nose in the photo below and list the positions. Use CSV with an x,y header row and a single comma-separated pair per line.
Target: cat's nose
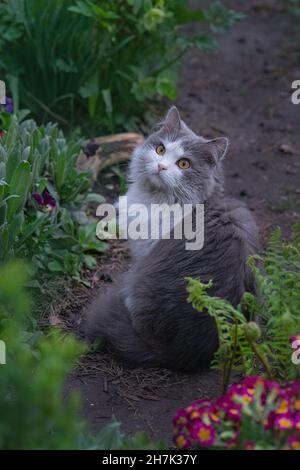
x,y
161,167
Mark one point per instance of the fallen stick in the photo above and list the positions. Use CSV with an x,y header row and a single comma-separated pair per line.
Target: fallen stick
x,y
106,151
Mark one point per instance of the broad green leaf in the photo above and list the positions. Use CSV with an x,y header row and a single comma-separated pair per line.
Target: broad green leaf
x,y
95,197
19,186
55,266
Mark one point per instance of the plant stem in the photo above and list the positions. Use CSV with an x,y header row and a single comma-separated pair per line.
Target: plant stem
x,y
261,358
227,373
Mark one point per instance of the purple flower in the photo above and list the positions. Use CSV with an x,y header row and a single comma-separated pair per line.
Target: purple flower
x,y
249,445
49,200
283,422
204,434
45,200
182,442
9,106
294,442
38,198
295,338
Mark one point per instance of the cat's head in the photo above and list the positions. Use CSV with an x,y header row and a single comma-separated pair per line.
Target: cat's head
x,y
174,160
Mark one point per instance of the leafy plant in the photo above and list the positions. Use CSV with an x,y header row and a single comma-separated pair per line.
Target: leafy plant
x,y
107,58
33,411
42,201
112,438
35,414
279,307
123,186
245,345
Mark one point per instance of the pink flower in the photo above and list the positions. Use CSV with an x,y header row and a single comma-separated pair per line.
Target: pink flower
x,y
232,442
283,422
297,421
204,434
234,413
241,391
284,407
253,380
200,423
180,417
269,421
294,442
202,403
249,445
224,402
295,337
182,442
231,408
214,414
296,404
292,389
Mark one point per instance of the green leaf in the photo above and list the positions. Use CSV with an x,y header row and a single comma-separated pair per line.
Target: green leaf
x,y
13,160
220,18
106,94
205,42
89,89
64,66
90,261
82,8
3,187
166,87
55,267
95,197
19,186
29,230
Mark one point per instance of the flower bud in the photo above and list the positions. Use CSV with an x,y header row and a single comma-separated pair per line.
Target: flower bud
x,y
252,331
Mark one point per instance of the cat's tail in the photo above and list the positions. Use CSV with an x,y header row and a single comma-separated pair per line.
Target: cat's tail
x,y
108,317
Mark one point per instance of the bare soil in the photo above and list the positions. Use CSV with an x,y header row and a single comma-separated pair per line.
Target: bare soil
x,y
243,91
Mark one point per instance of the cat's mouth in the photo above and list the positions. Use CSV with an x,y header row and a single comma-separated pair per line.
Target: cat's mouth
x,y
158,180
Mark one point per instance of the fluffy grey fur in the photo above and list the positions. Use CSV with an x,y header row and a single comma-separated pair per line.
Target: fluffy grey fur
x,y
146,316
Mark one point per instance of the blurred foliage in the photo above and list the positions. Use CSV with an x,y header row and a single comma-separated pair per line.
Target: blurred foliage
x,y
112,438
295,7
96,62
35,413
244,344
43,199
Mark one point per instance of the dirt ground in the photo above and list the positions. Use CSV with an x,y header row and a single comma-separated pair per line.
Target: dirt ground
x,y
243,91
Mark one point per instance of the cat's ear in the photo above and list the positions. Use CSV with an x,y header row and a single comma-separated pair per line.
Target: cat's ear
x,y
219,148
172,120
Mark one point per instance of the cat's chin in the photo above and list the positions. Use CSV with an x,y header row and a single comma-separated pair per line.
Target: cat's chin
x,y
156,181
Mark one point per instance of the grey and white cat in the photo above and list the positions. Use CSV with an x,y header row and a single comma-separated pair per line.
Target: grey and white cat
x,y
146,316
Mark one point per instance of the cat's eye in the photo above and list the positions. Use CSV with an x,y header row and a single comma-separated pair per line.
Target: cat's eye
x,y
160,149
184,163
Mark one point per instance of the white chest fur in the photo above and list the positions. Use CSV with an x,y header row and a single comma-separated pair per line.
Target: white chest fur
x,y
136,197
